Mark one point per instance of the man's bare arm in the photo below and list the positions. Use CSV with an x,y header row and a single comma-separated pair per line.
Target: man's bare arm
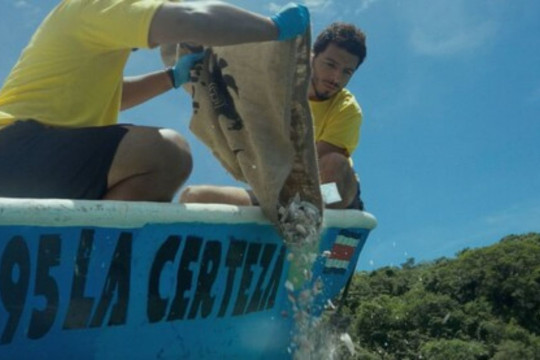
x,y
210,23
324,148
138,89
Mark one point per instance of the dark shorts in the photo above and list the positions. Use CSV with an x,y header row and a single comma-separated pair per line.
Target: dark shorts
x,y
357,202
39,161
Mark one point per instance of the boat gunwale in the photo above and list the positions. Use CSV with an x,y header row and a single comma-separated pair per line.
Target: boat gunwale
x,y
133,214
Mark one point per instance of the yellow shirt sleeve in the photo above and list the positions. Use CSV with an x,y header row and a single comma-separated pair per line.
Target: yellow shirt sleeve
x,y
338,121
71,72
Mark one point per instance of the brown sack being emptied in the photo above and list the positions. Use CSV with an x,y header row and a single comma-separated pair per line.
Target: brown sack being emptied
x,y
250,108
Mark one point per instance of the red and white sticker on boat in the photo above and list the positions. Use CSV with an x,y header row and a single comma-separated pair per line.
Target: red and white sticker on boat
x,y
342,252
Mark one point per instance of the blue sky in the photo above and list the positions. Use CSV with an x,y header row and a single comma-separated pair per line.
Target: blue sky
x,y
450,151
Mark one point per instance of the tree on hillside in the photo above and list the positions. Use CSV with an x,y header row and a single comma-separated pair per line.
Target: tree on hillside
x,y
483,304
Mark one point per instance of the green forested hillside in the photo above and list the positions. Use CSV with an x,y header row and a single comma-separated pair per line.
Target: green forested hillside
x,y
482,304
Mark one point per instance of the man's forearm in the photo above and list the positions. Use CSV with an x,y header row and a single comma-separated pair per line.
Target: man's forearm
x,y
138,89
324,148
209,23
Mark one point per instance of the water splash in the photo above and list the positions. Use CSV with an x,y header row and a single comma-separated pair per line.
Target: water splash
x,y
313,338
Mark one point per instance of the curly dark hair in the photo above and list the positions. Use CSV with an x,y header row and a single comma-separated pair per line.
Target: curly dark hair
x,y
346,36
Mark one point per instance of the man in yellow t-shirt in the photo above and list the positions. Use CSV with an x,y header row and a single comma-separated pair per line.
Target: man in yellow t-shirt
x,y
59,106
337,52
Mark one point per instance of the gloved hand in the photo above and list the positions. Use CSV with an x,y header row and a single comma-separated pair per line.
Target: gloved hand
x,y
292,20
180,72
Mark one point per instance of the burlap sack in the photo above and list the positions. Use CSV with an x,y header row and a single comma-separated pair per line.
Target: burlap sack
x,y
250,107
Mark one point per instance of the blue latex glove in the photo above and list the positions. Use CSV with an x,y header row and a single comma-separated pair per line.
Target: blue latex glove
x,y
181,70
292,20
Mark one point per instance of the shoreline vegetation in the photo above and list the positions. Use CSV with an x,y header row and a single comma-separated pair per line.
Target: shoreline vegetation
x,y
482,304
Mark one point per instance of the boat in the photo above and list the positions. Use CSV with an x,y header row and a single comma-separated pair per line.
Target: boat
x,y
86,279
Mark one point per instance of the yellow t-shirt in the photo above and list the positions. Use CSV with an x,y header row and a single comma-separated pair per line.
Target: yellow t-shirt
x,y
337,120
71,72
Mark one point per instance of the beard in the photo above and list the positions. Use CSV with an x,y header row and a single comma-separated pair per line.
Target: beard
x,y
325,94
321,96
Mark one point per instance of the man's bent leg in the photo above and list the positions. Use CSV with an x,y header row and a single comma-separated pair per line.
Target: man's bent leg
x,y
336,168
332,168
209,194
41,161
150,164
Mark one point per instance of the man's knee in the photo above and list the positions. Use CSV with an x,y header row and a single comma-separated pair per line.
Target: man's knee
x,y
150,163
174,156
333,166
189,195
336,168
